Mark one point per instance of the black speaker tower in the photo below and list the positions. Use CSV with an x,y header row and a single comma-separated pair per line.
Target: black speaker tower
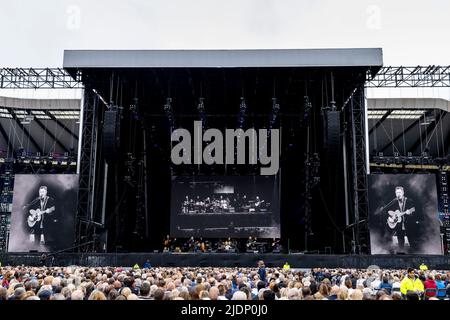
x,y
111,135
332,134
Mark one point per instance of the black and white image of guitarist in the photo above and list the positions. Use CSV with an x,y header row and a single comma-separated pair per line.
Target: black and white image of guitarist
x,y
403,214
398,212
37,212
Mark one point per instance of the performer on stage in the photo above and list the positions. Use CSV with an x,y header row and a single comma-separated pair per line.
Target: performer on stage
x,y
400,209
39,208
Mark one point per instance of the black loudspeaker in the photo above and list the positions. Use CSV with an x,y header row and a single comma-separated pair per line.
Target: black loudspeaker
x,y
111,135
332,134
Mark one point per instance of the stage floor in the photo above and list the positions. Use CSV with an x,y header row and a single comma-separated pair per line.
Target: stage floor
x,y
226,260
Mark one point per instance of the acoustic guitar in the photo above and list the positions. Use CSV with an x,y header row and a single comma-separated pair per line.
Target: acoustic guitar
x,y
395,217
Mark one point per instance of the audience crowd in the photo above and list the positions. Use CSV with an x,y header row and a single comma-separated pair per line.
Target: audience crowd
x,y
189,283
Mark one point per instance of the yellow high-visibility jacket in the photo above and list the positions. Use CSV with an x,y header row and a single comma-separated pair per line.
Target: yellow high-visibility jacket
x,y
408,284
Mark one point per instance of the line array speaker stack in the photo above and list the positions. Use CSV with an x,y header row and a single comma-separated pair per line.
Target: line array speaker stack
x,y
111,135
332,134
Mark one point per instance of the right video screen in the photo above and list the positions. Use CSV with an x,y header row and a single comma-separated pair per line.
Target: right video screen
x,y
403,214
225,206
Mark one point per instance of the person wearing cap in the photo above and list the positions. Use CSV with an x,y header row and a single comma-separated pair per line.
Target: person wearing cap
x,y
411,283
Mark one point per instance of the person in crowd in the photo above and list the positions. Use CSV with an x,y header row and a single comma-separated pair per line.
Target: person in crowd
x,y
430,286
411,283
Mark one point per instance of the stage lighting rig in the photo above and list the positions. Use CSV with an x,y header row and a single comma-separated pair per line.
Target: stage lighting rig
x,y
201,112
275,111
242,111
129,165
307,106
135,110
169,112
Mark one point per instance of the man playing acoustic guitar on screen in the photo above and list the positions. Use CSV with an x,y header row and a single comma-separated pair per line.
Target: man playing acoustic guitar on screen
x,y
399,211
38,209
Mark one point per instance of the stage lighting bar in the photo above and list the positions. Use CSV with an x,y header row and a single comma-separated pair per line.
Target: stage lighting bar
x,y
275,111
242,110
169,112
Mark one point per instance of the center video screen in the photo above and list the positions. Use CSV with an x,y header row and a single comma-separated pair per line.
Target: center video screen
x,y
225,206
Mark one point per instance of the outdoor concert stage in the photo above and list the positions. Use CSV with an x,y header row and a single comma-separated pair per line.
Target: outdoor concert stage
x,y
132,192
226,260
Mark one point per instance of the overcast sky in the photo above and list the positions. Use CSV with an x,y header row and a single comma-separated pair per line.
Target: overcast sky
x,y
35,33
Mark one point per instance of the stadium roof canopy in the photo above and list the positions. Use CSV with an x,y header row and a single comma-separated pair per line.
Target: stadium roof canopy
x,y
270,58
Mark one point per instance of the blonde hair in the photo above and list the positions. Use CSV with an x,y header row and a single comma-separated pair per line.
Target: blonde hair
x,y
97,295
356,295
126,292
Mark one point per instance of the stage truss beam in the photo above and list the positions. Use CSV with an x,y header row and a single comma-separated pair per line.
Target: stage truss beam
x,y
87,164
410,77
386,77
359,166
38,78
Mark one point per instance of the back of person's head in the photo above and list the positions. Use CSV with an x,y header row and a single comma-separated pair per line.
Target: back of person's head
x,y
97,295
184,295
213,293
222,289
77,295
334,290
3,294
268,295
348,283
306,291
411,295
45,295
247,291
260,285
239,295
323,289
125,291
293,294
128,281
356,295
380,294
58,296
397,296
158,294
113,294
26,295
145,289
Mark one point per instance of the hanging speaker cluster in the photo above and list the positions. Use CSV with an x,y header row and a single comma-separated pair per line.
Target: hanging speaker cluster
x,y
111,135
332,134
